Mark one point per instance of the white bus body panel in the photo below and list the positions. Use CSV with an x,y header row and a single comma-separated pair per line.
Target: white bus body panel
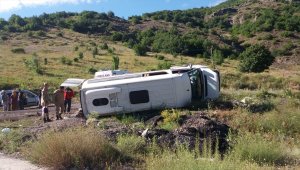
x,y
212,84
165,91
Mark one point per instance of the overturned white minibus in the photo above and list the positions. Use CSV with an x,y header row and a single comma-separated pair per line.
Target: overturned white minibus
x,y
134,92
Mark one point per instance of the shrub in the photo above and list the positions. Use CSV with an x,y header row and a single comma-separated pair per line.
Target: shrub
x,y
110,50
160,57
60,34
287,34
140,50
10,142
115,62
74,148
255,58
76,48
92,70
80,55
164,65
104,46
33,64
45,61
75,59
41,33
95,51
218,57
18,50
63,59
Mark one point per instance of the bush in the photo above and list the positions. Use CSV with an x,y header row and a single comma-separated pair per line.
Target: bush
x,y
92,70
74,148
65,60
76,59
104,46
160,57
10,142
140,50
255,58
33,64
218,57
80,55
18,50
164,65
41,33
115,62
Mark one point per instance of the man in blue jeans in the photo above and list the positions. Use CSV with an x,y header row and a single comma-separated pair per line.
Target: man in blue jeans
x,y
68,95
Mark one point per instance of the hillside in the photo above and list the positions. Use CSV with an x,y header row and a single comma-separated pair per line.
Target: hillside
x,y
192,35
254,124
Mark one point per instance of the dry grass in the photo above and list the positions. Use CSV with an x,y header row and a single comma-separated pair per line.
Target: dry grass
x,y
79,148
53,48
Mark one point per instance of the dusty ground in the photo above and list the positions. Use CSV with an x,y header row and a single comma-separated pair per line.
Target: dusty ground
x,y
9,163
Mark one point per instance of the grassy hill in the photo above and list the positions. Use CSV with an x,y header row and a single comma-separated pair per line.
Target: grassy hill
x,y
53,47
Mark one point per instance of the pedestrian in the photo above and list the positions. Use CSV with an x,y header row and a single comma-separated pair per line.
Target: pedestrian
x,y
68,95
5,100
58,99
45,101
45,114
21,100
40,97
9,102
14,100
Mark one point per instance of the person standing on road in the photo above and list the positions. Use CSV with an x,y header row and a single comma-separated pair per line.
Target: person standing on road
x,y
45,115
58,99
21,100
5,100
45,96
14,100
68,95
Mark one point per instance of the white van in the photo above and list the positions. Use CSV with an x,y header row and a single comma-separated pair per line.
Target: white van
x,y
172,88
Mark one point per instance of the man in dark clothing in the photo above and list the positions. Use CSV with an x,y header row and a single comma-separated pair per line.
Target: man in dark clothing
x,y
68,95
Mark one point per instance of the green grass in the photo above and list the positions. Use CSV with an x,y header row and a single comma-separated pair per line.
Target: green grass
x,y
12,141
185,159
258,149
132,145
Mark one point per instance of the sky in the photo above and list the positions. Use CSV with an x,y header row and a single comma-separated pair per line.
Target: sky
x,y
121,8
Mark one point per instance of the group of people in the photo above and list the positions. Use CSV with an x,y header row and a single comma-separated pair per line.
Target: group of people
x,y
15,101
62,99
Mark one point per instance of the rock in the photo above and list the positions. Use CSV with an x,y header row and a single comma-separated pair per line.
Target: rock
x,y
5,130
247,100
145,133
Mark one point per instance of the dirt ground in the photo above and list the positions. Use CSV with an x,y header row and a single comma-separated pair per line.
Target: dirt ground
x,y
33,111
9,163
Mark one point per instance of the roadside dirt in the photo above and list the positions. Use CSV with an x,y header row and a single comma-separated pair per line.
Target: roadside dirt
x,y
9,163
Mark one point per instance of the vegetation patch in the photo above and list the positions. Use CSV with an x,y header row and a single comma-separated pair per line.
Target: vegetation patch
x,y
75,148
18,50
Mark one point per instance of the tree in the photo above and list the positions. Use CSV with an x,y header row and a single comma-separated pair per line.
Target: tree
x,y
217,57
255,58
140,49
